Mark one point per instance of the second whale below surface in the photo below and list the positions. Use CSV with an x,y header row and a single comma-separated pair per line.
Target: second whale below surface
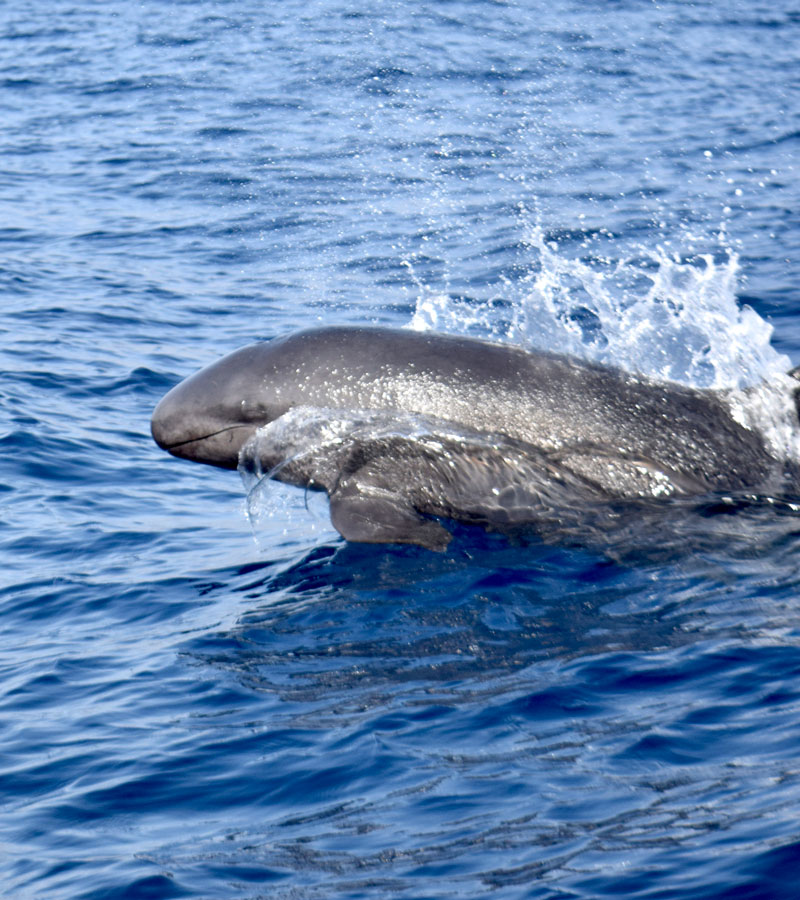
x,y
399,427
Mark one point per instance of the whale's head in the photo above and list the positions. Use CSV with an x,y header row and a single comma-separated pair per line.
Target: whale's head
x,y
210,416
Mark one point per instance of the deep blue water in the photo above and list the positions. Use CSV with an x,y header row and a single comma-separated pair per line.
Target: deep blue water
x,y
189,710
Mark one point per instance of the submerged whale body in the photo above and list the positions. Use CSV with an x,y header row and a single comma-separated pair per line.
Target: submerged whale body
x,y
399,427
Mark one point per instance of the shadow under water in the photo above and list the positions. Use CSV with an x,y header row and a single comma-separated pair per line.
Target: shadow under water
x,y
347,616
535,720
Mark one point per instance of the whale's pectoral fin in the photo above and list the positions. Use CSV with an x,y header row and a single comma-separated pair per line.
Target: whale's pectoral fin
x,y
363,511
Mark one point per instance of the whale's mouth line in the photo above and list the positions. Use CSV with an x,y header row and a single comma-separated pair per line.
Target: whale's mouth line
x,y
205,437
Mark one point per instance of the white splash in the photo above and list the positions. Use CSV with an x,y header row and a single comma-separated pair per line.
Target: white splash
x,y
436,311
652,313
300,432
270,504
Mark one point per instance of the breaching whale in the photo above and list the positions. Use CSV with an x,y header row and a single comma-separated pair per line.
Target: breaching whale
x,y
454,427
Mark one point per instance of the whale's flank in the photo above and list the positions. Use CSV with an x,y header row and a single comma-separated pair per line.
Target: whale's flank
x,y
499,430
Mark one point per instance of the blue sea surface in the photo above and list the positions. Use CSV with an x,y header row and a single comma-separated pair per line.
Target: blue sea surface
x,y
196,705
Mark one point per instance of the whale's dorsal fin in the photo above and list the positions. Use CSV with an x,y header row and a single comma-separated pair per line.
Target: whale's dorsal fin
x,y
364,511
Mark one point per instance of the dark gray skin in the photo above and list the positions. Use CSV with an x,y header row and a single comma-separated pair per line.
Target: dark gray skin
x,y
527,425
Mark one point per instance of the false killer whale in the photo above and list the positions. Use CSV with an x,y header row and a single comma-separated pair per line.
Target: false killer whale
x,y
433,425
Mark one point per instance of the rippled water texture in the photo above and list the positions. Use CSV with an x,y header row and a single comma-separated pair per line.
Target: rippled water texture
x,y
187,711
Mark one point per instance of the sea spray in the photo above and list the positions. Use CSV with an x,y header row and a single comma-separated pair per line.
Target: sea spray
x,y
306,432
650,312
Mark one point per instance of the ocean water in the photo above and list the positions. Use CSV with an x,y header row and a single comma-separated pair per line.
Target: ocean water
x,y
208,694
